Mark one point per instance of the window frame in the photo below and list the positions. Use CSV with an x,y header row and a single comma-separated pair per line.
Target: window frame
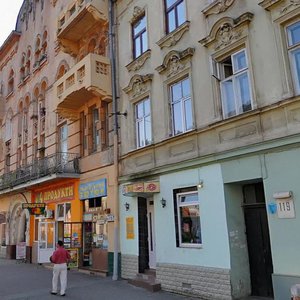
x,y
292,48
182,101
58,218
139,143
168,10
238,104
139,37
179,204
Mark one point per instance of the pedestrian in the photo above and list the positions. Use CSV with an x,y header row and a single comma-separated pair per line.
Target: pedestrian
x,y
60,258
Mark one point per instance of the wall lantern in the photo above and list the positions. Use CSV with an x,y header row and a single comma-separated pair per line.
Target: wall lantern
x,y
163,202
200,184
127,206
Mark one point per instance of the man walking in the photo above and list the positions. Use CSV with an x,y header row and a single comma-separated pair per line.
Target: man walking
x,y
60,258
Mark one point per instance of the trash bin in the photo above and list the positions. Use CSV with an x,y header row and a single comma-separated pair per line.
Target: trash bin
x,y
295,292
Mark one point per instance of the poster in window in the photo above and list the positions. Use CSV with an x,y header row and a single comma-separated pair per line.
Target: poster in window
x,y
73,263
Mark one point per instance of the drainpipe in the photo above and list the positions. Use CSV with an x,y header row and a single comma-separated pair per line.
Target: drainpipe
x,y
116,149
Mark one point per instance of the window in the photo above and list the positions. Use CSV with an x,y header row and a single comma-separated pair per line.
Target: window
x,y
235,84
95,131
63,212
188,219
92,203
293,35
139,35
181,106
11,82
143,123
175,14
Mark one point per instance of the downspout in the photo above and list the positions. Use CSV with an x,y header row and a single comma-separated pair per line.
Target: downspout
x,y
116,134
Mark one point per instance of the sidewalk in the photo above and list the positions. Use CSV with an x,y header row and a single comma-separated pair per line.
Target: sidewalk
x,y
19,281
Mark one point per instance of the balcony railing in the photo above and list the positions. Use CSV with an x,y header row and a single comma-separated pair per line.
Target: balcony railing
x,y
58,163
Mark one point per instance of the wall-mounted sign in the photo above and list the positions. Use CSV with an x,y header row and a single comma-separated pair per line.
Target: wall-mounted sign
x,y
57,194
35,208
285,208
93,189
141,187
130,228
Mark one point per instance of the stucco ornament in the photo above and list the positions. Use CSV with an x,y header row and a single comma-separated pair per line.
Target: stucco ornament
x,y
218,7
137,13
138,85
290,4
226,35
53,2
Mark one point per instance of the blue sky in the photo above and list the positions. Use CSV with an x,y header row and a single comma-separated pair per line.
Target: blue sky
x,y
9,12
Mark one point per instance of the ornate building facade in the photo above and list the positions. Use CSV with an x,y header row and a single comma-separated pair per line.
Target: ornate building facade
x,y
57,169
209,158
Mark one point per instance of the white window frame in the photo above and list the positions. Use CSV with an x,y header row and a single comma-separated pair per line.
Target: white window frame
x,y
64,216
220,75
292,48
182,100
140,143
179,204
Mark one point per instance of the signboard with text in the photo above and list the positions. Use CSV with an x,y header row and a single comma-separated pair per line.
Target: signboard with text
x,y
57,194
35,208
93,189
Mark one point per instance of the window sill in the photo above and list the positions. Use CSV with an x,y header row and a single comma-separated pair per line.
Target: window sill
x,y
191,246
172,38
138,62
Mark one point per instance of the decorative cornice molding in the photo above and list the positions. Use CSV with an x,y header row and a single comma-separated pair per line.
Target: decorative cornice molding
x,y
226,31
217,7
173,61
136,64
268,4
137,13
138,85
174,37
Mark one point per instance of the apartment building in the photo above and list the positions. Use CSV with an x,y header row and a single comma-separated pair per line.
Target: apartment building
x,y
57,171
209,191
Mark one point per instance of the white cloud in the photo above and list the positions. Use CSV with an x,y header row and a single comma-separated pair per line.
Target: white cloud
x,y
9,12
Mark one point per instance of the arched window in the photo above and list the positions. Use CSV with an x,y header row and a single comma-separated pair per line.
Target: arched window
x,y
37,51
44,45
22,67
8,126
28,62
11,82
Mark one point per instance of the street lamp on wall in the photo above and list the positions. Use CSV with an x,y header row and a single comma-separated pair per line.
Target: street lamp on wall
x,y
127,206
163,202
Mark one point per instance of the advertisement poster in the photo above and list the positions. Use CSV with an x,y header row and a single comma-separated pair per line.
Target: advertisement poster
x,y
74,258
129,228
21,250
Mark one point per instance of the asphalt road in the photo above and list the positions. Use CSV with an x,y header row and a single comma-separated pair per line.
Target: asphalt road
x,y
20,281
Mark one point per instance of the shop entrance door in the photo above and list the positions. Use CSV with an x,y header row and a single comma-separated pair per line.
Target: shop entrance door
x,y
151,234
46,241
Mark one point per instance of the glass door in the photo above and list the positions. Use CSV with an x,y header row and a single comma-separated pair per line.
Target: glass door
x,y
46,241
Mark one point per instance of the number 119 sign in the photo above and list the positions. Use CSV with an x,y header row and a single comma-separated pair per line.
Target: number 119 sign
x,y
285,208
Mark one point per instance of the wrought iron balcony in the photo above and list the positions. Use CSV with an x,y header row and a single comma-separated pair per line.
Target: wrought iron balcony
x,y
63,164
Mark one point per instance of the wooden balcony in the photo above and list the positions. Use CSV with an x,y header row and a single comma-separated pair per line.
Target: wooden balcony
x,y
88,78
80,17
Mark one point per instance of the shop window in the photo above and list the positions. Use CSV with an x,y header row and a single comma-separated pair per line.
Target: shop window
x,y
72,235
187,218
181,106
175,14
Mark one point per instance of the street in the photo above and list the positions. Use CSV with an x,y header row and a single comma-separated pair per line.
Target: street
x,y
33,282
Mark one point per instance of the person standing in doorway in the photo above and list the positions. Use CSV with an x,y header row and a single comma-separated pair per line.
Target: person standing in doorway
x,y
60,258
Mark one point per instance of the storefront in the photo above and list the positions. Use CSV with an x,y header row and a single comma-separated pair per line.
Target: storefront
x,y
96,216
61,220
